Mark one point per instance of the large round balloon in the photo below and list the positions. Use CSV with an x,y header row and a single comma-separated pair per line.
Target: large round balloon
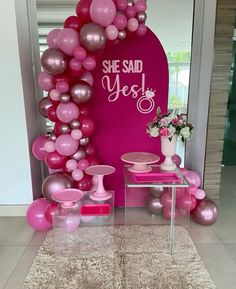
x,y
154,205
82,10
205,212
103,12
65,145
35,215
46,81
193,178
52,38
38,147
50,212
81,92
66,112
93,37
54,183
67,40
54,61
55,161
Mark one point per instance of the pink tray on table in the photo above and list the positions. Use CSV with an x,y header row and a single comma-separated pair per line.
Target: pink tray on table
x,y
95,210
156,178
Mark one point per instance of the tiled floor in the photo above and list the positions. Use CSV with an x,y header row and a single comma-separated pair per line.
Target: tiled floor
x,y
216,244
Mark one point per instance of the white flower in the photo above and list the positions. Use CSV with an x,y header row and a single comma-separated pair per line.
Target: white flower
x,y
172,129
185,132
154,131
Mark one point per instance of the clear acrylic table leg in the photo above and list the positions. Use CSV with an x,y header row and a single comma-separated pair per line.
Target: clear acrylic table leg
x,y
172,221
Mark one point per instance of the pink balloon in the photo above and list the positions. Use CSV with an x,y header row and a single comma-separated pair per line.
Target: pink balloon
x,y
55,161
131,12
140,5
77,175
68,40
205,213
89,63
142,30
166,200
87,126
35,215
184,171
76,134
193,178
70,223
121,4
179,192
62,86
200,194
167,213
102,12
66,112
54,94
46,81
120,21
38,150
90,149
71,165
194,203
185,202
93,161
111,32
49,146
52,38
87,77
66,145
50,212
80,53
192,189
132,24
177,160
82,10
83,164
75,64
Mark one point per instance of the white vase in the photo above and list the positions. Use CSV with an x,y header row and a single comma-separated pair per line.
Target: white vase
x,y
168,149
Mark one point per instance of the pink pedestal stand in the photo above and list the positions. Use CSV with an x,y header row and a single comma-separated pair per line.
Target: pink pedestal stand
x,y
100,171
140,161
67,197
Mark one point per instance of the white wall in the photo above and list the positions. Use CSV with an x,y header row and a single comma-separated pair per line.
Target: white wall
x,y
16,179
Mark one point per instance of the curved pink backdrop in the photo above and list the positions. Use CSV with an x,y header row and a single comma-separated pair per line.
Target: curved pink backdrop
x,y
121,114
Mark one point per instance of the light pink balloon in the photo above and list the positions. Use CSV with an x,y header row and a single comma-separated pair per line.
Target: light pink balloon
x,y
193,178
71,165
131,12
83,164
132,24
177,160
66,145
38,147
54,94
192,189
67,40
75,64
62,86
52,38
199,194
80,53
89,63
87,77
112,32
102,12
140,5
66,112
77,175
120,21
76,134
46,81
49,146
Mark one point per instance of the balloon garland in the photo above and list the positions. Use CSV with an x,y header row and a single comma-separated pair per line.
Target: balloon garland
x,y
67,77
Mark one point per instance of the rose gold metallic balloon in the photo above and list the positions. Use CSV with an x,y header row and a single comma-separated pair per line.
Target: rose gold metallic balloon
x,y
79,155
54,183
205,212
154,205
64,128
64,98
141,17
54,61
84,141
81,92
121,35
156,191
74,124
43,106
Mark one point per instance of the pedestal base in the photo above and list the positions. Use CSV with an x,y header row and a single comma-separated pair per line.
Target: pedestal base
x,y
168,166
95,197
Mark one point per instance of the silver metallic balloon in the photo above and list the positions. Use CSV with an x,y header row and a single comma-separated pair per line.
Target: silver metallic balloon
x,y
84,141
141,17
43,106
64,98
54,183
54,61
80,154
205,213
121,35
130,2
154,205
156,191
81,92
74,124
64,128
93,37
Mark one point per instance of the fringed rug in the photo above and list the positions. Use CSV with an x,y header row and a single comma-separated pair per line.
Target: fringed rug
x,y
131,257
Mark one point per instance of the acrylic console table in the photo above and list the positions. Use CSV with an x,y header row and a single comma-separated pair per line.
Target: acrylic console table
x,y
138,183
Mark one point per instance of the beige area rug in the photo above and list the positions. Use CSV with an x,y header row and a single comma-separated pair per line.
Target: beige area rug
x,y
132,257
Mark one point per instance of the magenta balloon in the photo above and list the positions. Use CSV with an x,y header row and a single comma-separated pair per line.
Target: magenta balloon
x,y
140,5
205,213
46,81
38,147
55,161
166,200
54,183
66,112
142,30
87,77
50,212
102,12
43,106
54,61
167,213
83,164
194,203
121,5
193,178
66,145
89,63
80,53
62,86
35,215
87,126
52,38
75,64
192,189
68,40
120,21
184,202
177,160
131,12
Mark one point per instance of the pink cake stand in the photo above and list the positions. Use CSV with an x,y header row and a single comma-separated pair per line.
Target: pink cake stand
x,y
100,171
67,197
140,161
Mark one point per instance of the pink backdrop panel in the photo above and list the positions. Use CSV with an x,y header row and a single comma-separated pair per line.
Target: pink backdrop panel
x,y
130,82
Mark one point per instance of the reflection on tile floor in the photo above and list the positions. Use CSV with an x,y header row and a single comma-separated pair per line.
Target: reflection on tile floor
x,y
216,244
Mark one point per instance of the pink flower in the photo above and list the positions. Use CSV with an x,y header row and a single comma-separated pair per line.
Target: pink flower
x,y
164,121
175,121
164,132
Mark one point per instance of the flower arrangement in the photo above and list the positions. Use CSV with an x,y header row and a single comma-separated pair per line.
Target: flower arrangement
x,y
168,125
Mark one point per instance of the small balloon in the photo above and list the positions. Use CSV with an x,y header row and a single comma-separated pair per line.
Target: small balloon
x,y
121,35
54,95
177,160
83,164
54,160
38,150
132,24
81,92
193,178
49,146
80,53
77,175
121,5
84,141
166,200
52,38
68,40
140,5
200,194
87,77
90,150
156,191
54,61
43,106
131,12
130,2
75,64
120,21
141,17
89,63
64,128
154,205
52,115
71,165
64,98
85,184
80,154
74,124
76,134
46,81
66,145
111,32
50,212
73,22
